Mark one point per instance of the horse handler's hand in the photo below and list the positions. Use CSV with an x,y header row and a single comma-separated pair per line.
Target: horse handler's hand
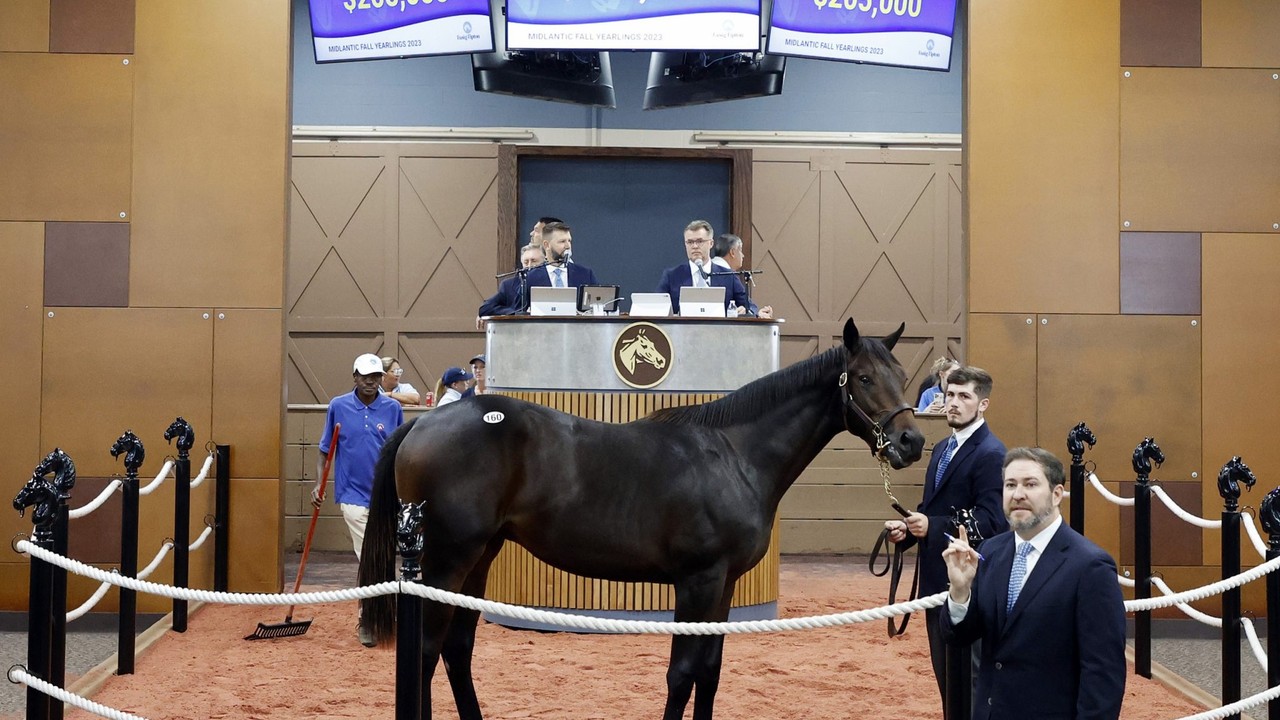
x,y
962,566
317,499
897,530
918,524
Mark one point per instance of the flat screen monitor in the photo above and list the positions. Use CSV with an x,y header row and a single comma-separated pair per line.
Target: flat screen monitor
x,y
677,79
606,296
902,33
377,29
633,24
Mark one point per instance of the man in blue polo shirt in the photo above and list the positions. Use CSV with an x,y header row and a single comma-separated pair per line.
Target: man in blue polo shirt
x,y
368,418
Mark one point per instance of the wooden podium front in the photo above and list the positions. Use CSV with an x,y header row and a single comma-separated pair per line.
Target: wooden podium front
x,y
607,369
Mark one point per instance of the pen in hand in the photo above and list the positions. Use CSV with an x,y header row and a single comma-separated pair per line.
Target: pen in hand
x,y
975,552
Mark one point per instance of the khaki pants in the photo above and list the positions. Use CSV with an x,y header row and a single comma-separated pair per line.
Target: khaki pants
x,y
357,517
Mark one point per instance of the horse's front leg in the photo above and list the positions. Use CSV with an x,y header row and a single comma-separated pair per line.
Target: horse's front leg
x,y
708,679
698,599
460,639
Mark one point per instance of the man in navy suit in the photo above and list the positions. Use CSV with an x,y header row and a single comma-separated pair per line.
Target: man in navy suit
x,y
964,473
698,237
508,300
1045,603
559,270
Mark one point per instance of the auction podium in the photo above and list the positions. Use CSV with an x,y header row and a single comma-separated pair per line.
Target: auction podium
x,y
619,369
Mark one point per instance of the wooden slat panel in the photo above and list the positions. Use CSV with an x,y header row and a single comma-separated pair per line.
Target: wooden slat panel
x,y
1240,33
845,502
830,536
1043,83
1005,346
1199,151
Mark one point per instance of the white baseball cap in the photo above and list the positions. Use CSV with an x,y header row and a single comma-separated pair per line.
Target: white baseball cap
x,y
368,364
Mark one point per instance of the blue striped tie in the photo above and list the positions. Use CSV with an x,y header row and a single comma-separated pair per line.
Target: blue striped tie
x,y
1018,574
947,452
559,278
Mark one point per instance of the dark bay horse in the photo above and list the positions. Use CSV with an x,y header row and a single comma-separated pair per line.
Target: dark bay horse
x,y
685,496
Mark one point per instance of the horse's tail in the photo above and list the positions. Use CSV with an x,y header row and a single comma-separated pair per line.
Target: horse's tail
x,y
378,555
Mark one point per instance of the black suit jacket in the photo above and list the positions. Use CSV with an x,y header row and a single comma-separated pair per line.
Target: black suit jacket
x,y
674,278
974,480
1060,652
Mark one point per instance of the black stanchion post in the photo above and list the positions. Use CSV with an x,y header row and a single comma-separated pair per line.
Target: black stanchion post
x,y
58,607
222,518
1229,478
1146,451
131,447
958,704
1269,514
413,696
1076,439
182,430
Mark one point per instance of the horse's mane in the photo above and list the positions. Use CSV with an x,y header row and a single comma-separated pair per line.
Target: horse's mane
x,y
747,402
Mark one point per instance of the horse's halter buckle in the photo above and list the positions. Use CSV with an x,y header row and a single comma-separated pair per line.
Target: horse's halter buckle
x,y
877,429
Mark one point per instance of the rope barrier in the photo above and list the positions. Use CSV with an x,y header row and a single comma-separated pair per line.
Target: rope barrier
x,y
1187,610
101,592
1186,516
19,675
96,502
160,478
1237,707
208,530
1200,593
204,471
1252,531
1115,499
1258,653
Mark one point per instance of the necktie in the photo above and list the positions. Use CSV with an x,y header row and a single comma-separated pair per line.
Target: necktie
x,y
559,277
1018,574
947,452
698,280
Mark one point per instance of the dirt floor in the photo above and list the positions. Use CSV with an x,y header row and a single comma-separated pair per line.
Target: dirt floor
x,y
848,672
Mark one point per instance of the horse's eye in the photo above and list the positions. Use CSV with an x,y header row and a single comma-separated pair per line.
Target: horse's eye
x,y
864,379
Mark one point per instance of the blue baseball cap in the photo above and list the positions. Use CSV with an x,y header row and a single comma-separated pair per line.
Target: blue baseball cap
x,y
453,375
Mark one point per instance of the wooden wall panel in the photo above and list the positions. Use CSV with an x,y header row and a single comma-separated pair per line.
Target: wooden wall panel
x,y
1241,33
1005,346
21,289
91,26
57,165
107,370
256,552
1127,377
248,392
1043,83
1162,33
1200,151
220,231
24,26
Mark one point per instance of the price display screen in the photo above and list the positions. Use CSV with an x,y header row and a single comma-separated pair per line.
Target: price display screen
x,y
633,25
375,29
904,33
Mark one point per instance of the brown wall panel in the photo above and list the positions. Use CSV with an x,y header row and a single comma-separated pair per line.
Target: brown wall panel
x,y
57,165
220,231
86,264
1173,541
108,370
91,26
1040,131
1160,273
1005,346
1241,33
248,393
21,258
1160,32
255,535
1200,150
1127,377
24,26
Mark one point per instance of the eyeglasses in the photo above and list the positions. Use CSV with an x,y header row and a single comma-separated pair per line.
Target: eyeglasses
x,y
398,372
695,243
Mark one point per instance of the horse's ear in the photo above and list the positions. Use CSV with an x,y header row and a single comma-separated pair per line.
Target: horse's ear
x,y
892,339
851,337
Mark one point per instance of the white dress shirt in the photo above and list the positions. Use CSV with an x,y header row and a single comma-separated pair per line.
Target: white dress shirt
x,y
1038,544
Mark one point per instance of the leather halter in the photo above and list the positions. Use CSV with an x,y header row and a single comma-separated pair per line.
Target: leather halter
x,y
878,425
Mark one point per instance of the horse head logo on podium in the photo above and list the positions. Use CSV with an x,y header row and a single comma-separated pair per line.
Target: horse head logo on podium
x,y
642,355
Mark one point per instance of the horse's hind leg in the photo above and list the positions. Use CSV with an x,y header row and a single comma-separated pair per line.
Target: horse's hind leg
x,y
460,638
447,570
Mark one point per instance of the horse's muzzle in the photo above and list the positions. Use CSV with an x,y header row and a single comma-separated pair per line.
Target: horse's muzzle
x,y
905,447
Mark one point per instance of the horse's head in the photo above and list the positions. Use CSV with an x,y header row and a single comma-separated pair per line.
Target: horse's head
x,y
1146,451
871,388
43,493
1229,479
648,352
63,469
1076,440
131,447
182,430
1269,512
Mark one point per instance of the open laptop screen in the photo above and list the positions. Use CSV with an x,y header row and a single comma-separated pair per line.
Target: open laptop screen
x,y
553,301
650,304
702,301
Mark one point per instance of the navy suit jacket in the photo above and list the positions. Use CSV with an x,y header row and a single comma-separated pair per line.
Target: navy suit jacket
x,y
681,275
1060,652
509,301
974,480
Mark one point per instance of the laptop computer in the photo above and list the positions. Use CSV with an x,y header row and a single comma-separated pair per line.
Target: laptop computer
x,y
650,305
702,301
606,296
553,301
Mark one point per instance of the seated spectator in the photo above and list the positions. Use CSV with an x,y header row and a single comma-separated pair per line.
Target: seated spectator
x,y
933,393
451,386
477,369
401,392
727,254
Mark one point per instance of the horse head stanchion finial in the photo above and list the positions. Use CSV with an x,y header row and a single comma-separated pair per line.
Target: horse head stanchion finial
x,y
186,435
1077,437
1146,452
46,494
1269,515
134,453
1229,478
410,540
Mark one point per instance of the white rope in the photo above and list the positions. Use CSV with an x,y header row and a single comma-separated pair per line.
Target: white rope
x,y
1186,516
1189,611
1258,653
1127,582
204,472
1200,593
96,502
145,572
1236,708
89,604
1115,499
164,473
1252,531
208,530
19,674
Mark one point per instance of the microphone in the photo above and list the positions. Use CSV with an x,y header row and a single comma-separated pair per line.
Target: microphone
x,y
701,272
568,254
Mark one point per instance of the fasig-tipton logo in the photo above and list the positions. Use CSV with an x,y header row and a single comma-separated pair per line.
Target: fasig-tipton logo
x,y
466,32
642,355
928,50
